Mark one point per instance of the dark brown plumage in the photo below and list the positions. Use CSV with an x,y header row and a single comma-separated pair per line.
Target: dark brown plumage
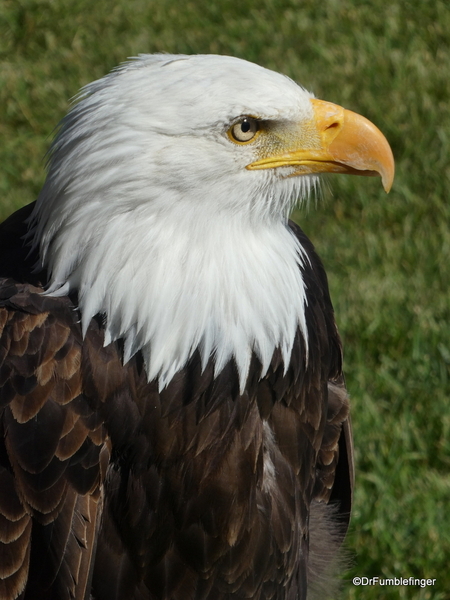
x,y
113,489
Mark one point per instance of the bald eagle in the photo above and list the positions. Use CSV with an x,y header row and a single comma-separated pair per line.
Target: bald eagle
x,y
173,418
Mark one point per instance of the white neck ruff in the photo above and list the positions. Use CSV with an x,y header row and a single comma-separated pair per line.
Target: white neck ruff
x,y
228,289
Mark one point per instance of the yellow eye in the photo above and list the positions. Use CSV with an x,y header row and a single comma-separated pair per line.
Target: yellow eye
x,y
244,130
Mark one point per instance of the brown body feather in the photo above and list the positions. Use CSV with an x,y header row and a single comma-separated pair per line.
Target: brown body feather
x,y
112,489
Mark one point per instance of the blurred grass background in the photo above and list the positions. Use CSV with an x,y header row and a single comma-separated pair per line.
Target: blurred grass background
x,y
388,257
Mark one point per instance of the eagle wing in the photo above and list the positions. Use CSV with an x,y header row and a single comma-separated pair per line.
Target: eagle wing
x,y
53,446
53,449
335,461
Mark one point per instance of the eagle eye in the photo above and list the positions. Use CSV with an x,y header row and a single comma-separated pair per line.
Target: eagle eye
x,y
244,130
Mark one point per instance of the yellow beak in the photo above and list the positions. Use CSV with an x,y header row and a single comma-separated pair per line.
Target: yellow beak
x,y
336,141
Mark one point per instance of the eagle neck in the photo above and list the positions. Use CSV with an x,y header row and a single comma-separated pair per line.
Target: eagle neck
x,y
227,287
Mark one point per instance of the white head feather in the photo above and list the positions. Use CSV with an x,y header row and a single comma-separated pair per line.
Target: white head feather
x,y
149,213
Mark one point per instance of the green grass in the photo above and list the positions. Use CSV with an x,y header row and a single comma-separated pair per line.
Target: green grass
x,y
388,257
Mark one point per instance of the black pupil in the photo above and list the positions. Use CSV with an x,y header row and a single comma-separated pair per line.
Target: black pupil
x,y
245,126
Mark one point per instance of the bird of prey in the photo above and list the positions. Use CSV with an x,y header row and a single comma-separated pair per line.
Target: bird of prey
x,y
174,423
